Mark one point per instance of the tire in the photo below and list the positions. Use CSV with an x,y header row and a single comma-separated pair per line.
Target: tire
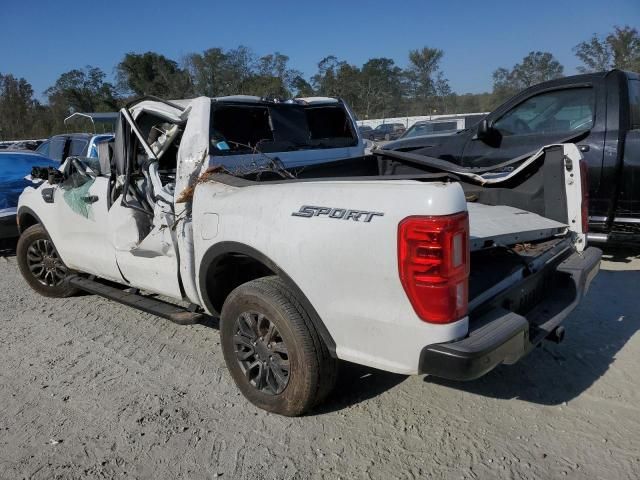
x,y
260,321
40,264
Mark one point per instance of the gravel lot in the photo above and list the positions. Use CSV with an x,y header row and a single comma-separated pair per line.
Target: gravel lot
x,y
92,389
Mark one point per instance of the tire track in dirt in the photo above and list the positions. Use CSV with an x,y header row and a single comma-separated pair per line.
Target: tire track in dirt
x,y
128,392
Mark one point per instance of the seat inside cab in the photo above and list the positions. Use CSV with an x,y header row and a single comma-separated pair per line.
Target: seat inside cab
x,y
143,187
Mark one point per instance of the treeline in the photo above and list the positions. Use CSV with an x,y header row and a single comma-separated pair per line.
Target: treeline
x,y
378,88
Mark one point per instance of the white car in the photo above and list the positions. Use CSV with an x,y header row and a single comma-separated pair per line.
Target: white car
x,y
450,273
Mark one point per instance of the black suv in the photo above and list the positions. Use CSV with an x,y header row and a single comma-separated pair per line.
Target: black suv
x,y
387,131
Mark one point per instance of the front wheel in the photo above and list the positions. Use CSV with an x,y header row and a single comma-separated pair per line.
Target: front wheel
x,y
272,350
40,264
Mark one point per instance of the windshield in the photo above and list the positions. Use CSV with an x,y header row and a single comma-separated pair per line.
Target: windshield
x,y
43,149
278,127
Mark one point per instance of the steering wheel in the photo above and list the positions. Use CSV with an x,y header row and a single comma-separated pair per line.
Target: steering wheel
x,y
521,126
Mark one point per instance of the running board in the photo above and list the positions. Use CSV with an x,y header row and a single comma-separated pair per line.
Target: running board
x,y
175,313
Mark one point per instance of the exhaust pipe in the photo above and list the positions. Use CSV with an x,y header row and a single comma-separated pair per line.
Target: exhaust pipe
x,y
557,335
597,237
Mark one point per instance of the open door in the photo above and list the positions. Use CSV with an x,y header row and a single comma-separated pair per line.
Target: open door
x,y
141,217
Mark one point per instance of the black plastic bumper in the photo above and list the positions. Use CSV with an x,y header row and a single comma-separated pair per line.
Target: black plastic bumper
x,y
8,226
500,335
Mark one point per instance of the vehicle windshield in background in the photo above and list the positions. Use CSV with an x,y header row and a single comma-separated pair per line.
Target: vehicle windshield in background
x,y
280,127
427,128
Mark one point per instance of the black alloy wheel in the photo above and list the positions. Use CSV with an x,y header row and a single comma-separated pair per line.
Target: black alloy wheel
x,y
41,265
45,264
261,353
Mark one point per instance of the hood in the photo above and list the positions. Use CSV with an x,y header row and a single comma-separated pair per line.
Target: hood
x,y
415,143
15,174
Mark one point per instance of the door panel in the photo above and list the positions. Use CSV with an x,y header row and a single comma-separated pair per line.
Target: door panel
x,y
82,216
628,209
145,249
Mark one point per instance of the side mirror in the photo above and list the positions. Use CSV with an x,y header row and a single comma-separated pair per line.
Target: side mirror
x,y
485,128
487,133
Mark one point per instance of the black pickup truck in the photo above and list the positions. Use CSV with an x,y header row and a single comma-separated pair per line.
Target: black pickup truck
x,y
599,112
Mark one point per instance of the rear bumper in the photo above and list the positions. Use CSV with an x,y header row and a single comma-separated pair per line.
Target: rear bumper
x,y
499,335
8,225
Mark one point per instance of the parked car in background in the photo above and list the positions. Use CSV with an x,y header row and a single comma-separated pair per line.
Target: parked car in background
x,y
20,144
14,167
600,112
26,145
387,131
441,126
59,147
365,131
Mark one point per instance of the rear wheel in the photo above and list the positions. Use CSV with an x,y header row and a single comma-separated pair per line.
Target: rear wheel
x,y
272,350
41,265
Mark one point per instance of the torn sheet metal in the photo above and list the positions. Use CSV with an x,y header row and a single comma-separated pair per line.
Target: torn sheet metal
x,y
488,176
193,157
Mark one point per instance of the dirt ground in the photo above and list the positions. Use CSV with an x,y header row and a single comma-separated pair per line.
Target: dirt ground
x,y
92,389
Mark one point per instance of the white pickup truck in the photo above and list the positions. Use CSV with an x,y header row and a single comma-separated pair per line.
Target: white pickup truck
x,y
208,207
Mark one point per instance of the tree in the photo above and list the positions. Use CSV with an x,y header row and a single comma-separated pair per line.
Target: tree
x,y
620,49
216,73
380,88
207,71
595,55
625,46
535,68
336,78
152,74
273,76
17,107
301,87
422,75
324,82
473,102
83,90
238,70
443,90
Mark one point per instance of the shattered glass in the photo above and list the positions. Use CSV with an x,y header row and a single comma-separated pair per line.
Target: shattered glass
x,y
76,189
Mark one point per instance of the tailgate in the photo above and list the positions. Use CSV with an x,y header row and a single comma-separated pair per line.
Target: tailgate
x,y
509,325
492,225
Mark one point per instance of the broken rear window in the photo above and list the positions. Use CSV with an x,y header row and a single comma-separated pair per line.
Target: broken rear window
x,y
278,127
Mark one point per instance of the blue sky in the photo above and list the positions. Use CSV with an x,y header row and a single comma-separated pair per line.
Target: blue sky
x,y
39,40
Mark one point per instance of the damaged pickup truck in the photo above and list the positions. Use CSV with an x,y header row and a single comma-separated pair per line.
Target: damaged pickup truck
x,y
265,214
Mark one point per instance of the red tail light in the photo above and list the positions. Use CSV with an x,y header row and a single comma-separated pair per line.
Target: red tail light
x,y
433,262
584,181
